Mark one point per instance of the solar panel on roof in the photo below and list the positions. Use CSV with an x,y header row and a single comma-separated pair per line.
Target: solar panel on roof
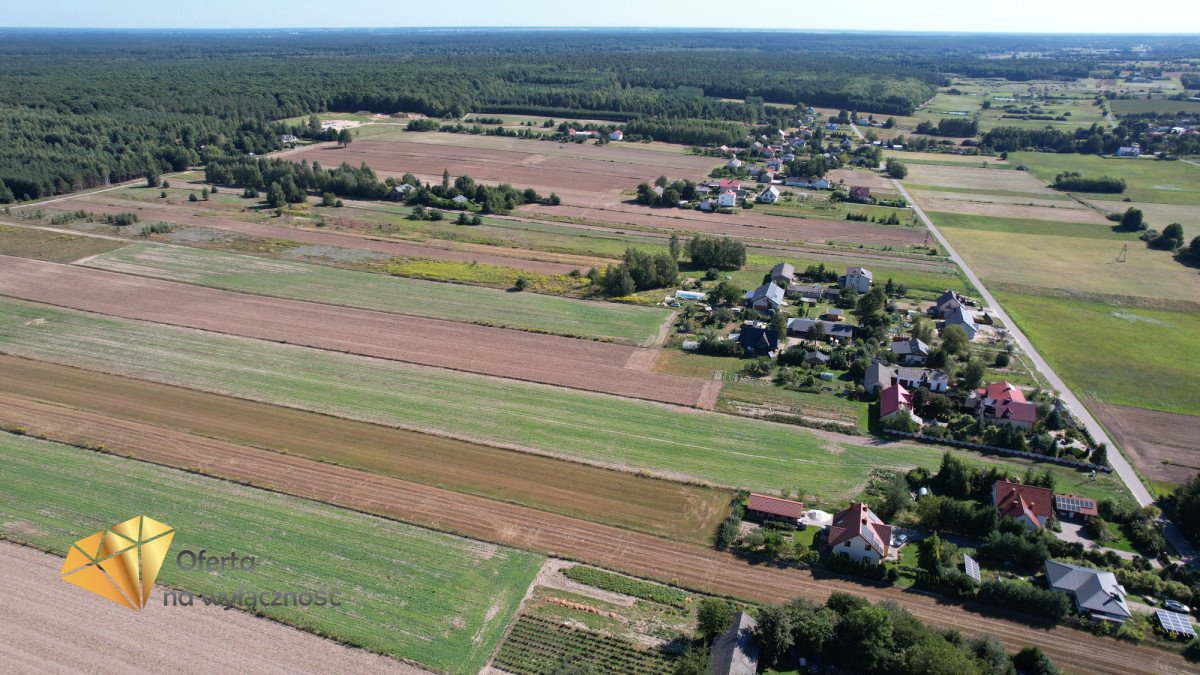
x,y
971,567
1175,622
1074,503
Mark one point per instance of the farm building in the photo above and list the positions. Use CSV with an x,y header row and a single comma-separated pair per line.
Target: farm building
x,y
1130,151
858,278
1029,504
461,200
1095,592
894,400
782,273
877,376
815,358
859,534
769,296
735,652
763,507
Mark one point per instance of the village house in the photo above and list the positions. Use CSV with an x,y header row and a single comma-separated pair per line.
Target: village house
x,y
783,273
735,652
1071,507
816,358
400,192
733,164
877,376
765,177
1031,505
763,507
860,194
856,532
758,341
894,400
933,380
1002,403
911,352
1130,151
947,302
1095,592
616,135
831,331
580,132
960,316
769,296
727,198
858,278
288,139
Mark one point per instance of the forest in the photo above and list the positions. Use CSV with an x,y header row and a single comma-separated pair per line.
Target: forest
x,y
81,109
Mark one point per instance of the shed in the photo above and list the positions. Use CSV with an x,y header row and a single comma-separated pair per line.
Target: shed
x,y
735,652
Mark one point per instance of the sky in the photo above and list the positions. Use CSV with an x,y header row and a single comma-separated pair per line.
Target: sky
x,y
1023,16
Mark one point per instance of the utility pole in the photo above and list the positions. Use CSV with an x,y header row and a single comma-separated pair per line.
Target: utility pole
x,y
1124,250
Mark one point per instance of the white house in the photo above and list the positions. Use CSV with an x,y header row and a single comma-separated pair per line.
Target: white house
x,y
858,278
616,135
769,196
859,534
728,198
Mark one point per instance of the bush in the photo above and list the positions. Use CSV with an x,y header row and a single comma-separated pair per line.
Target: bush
x,y
521,283
718,252
1026,599
1026,551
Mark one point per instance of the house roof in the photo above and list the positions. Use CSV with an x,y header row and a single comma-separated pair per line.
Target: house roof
x,y
1003,391
729,184
1015,500
858,520
1005,401
758,340
912,346
921,375
829,328
783,270
1072,504
946,297
859,271
769,290
961,316
878,374
1094,590
816,357
860,191
894,399
775,506
735,652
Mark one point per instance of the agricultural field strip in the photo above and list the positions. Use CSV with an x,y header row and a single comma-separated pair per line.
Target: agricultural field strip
x,y
671,442
675,510
705,569
440,600
48,622
308,236
363,290
1161,444
500,352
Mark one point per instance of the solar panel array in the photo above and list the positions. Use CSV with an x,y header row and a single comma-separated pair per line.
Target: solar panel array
x,y
972,567
1073,503
1176,622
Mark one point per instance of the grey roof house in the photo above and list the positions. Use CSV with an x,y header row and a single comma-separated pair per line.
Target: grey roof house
x,y
783,272
767,296
911,352
878,376
1096,592
829,329
758,341
965,318
735,652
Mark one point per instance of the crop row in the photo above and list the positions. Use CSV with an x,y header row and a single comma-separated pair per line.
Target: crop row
x,y
537,646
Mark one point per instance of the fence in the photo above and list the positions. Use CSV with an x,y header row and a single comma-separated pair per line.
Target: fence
x,y
1062,461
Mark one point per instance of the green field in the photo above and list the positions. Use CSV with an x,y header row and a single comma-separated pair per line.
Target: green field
x,y
1027,226
1141,105
407,592
300,281
1083,112
1147,180
702,446
1129,356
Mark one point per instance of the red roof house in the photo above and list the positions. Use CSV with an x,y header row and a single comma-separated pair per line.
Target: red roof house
x,y
894,399
858,533
1004,403
1029,504
775,508
729,184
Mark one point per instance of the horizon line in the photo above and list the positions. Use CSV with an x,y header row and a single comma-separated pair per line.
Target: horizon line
x,y
835,31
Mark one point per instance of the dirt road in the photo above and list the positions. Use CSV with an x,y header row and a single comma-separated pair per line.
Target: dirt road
x,y
644,555
501,352
52,626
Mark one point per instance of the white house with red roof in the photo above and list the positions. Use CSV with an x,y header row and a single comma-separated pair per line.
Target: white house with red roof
x,y
616,135
895,399
1029,504
859,534
1003,403
727,198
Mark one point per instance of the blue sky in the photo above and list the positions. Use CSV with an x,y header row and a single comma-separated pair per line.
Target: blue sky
x,y
1034,16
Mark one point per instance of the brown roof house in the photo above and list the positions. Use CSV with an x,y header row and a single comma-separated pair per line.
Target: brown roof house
x,y
1029,504
859,534
765,507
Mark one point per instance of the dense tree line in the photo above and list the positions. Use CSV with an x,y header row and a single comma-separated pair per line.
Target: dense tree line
x,y
964,127
1077,182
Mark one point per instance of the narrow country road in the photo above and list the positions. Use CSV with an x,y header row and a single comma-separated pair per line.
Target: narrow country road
x,y
1118,461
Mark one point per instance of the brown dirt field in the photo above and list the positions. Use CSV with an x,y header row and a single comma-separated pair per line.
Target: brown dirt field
x,y
747,225
52,246
975,177
50,626
644,555
1162,445
343,240
1016,198
1066,211
877,182
500,352
544,166
665,508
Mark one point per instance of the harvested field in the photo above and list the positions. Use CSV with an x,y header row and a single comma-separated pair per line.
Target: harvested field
x,y
602,430
668,509
691,566
743,224
1162,445
876,181
1159,216
1011,207
50,626
580,364
338,239
581,178
1022,226
51,246
974,177
1006,198
298,281
440,600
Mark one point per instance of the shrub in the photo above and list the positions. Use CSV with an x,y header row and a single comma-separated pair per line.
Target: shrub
x,y
1027,599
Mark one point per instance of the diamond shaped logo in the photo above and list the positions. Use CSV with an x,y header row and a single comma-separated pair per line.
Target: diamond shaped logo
x,y
120,563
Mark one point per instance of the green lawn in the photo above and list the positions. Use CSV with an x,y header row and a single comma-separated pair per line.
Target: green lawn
x,y
1147,180
1027,226
439,600
708,447
1130,356
300,281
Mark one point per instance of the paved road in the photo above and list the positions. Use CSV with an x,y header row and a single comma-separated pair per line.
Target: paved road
x,y
1118,461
